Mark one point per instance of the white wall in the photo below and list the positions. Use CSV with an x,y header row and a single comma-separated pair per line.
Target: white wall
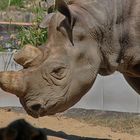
x,y
108,93
7,63
111,93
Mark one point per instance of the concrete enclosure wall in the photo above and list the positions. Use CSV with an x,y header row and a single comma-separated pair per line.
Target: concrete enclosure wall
x,y
108,93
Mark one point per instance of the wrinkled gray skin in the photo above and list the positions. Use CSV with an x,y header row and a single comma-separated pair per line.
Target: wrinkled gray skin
x,y
86,38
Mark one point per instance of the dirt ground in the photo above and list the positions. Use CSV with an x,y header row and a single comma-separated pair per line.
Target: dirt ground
x,y
79,122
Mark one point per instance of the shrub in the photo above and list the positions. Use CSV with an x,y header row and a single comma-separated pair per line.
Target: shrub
x,y
33,35
3,4
18,3
6,3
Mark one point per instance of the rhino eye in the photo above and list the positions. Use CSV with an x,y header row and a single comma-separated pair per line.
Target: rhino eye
x,y
81,37
58,73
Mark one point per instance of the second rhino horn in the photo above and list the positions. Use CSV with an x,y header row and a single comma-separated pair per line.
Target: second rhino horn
x,y
28,56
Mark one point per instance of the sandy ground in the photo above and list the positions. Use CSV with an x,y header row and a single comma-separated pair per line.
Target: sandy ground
x,y
65,124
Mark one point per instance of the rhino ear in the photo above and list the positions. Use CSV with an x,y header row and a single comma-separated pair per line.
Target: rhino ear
x,y
63,8
46,21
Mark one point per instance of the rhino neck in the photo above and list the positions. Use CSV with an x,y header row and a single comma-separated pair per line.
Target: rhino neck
x,y
110,21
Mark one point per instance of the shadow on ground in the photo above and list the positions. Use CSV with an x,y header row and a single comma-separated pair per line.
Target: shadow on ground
x,y
22,130
65,136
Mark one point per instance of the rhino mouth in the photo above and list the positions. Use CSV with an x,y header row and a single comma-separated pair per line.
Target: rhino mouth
x,y
47,109
23,103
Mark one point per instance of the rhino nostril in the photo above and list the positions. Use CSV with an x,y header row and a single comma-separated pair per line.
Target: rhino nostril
x,y
36,107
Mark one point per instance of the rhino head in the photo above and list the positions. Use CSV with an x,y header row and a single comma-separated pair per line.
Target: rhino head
x,y
55,76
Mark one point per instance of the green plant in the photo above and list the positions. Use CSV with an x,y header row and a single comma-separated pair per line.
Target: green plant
x,y
6,3
2,49
3,4
32,35
18,3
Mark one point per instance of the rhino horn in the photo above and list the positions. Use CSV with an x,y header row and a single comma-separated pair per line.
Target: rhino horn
x,y
28,56
13,82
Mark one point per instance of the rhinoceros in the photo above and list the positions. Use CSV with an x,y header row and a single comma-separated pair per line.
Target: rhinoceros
x,y
85,38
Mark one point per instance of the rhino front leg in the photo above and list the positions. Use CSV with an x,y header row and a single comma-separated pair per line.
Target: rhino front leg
x,y
134,82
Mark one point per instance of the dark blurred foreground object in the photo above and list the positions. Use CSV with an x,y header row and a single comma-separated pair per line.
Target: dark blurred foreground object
x,y
21,130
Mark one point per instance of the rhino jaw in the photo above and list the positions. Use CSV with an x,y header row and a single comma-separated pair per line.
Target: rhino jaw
x,y
12,82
